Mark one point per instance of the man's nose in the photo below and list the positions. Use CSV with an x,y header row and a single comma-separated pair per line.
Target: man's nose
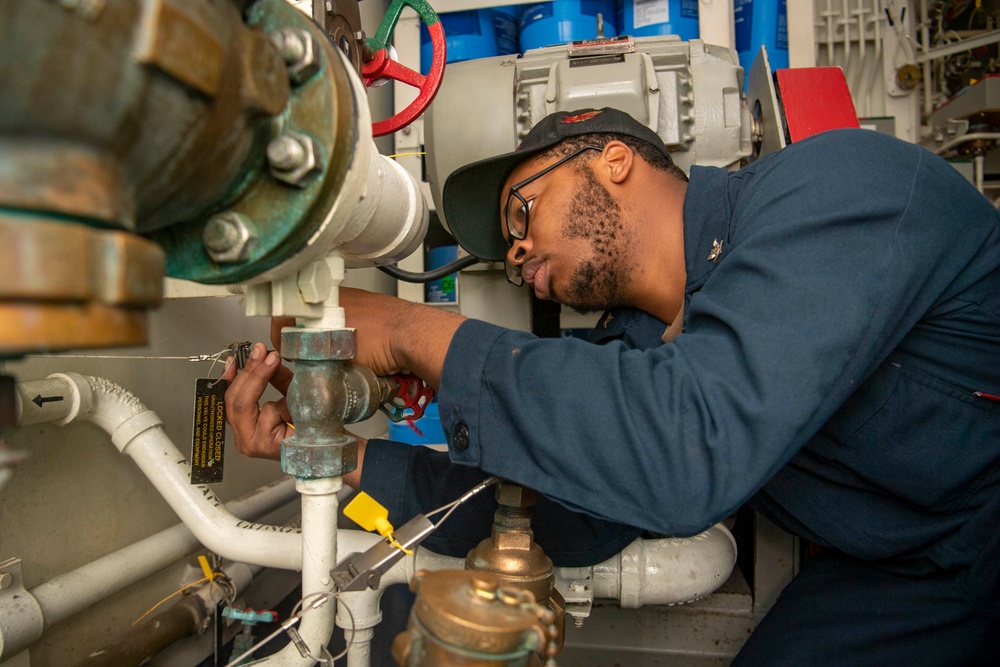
x,y
517,252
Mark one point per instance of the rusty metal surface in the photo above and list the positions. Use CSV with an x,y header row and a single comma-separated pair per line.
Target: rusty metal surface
x,y
314,461
52,261
139,119
45,327
288,215
67,285
365,392
179,44
49,174
317,400
319,344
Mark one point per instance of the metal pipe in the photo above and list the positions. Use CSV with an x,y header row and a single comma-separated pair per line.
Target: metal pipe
x,y
138,432
925,36
183,619
73,592
319,531
958,141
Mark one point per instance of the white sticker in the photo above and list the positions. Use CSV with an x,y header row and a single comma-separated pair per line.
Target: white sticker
x,y
650,12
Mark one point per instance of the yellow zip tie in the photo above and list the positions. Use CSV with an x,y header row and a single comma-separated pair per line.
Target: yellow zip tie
x,y
406,154
177,592
206,568
370,515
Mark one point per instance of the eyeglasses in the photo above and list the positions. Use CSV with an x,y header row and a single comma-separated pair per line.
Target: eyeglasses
x,y
516,212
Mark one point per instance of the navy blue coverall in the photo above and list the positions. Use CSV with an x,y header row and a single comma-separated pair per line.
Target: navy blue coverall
x,y
836,366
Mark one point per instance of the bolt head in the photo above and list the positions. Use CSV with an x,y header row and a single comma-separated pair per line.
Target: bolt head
x,y
229,237
300,51
315,282
294,158
6,579
285,153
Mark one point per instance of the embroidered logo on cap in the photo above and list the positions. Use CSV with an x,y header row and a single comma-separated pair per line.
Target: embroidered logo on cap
x,y
579,118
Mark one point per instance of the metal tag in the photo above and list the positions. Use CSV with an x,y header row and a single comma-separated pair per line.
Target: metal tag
x,y
208,440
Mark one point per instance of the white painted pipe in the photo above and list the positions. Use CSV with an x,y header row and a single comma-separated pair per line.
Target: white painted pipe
x,y
667,571
138,432
319,556
390,219
23,623
70,593
380,215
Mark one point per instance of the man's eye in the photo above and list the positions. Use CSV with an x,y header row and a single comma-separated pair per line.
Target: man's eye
x,y
522,211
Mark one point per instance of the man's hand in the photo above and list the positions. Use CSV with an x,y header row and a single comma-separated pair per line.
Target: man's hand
x,y
258,430
396,335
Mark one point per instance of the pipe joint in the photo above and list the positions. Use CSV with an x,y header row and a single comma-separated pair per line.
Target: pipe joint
x,y
22,623
321,345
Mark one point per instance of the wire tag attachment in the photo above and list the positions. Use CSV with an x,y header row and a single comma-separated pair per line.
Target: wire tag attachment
x,y
370,515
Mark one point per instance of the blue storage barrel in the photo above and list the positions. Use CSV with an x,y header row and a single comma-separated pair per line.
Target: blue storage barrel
x,y
562,21
761,23
443,289
648,18
468,35
506,25
431,431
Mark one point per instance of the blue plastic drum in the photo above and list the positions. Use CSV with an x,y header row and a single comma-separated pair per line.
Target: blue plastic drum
x,y
468,35
761,23
562,21
506,24
648,18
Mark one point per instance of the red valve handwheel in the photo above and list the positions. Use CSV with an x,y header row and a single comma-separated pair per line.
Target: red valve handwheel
x,y
382,66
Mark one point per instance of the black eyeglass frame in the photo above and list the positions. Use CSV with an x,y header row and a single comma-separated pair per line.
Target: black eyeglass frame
x,y
514,276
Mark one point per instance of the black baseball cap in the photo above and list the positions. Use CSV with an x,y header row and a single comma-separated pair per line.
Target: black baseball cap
x,y
471,195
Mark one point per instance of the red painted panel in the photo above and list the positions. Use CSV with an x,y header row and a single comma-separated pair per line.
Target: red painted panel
x,y
815,99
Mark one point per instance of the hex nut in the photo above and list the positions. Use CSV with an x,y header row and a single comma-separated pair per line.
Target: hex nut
x,y
293,158
315,282
300,51
229,237
515,495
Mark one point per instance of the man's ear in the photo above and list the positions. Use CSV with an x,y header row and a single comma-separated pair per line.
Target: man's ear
x,y
618,160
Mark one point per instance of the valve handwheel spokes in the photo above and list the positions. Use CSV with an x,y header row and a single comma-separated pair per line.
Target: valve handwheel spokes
x,y
382,66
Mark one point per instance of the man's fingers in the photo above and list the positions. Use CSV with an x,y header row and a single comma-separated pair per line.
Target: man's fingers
x,y
272,428
247,388
229,370
282,378
283,409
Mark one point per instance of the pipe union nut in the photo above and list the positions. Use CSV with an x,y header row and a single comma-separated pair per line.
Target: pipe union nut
x,y
515,495
319,344
316,462
293,158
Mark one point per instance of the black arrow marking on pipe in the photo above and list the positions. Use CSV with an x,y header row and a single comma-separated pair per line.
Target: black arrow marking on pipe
x,y
38,400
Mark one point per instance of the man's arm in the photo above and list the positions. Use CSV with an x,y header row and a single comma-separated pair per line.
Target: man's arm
x,y
396,335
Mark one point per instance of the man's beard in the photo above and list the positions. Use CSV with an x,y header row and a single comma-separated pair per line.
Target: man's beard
x,y
597,283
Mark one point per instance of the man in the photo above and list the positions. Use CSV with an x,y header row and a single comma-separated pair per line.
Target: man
x,y
837,364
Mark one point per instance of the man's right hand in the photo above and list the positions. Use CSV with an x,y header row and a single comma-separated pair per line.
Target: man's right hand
x,y
258,429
